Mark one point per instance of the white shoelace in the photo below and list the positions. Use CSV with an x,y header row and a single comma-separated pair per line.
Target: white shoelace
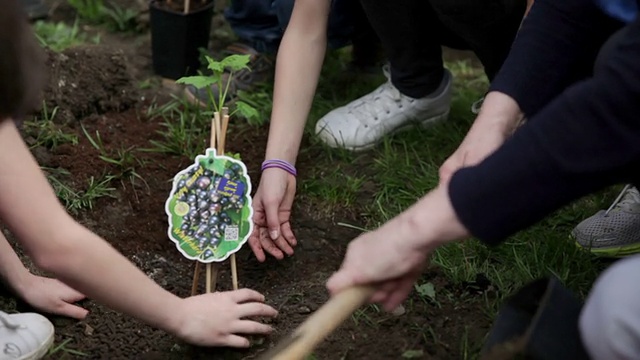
x,y
383,97
627,197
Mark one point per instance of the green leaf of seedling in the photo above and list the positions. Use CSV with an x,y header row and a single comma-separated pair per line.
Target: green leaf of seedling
x,y
247,111
198,81
216,66
236,62
426,290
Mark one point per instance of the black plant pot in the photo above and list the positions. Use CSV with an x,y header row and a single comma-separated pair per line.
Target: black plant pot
x,y
176,39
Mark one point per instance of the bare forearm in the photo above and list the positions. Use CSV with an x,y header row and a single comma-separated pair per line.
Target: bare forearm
x,y
499,111
87,263
428,223
57,243
12,270
298,67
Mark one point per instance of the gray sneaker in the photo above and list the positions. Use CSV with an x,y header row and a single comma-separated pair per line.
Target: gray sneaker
x,y
616,231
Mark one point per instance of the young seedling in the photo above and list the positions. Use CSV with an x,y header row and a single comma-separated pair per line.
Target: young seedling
x,y
225,186
124,159
231,64
46,132
75,201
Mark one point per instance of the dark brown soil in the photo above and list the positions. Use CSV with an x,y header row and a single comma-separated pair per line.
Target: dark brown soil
x,y
94,86
87,80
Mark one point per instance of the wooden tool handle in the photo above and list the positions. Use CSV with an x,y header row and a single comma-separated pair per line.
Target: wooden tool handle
x,y
318,326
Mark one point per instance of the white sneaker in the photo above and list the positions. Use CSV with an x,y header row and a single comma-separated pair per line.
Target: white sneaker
x,y
364,122
26,336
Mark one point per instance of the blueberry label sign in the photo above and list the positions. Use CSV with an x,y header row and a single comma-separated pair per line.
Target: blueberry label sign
x,y
209,208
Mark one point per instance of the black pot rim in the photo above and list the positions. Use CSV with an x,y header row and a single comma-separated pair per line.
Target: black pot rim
x,y
154,4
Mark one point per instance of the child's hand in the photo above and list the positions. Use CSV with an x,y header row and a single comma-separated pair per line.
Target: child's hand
x,y
272,209
52,296
218,319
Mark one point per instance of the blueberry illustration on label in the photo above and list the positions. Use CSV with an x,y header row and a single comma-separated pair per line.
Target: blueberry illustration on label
x,y
209,208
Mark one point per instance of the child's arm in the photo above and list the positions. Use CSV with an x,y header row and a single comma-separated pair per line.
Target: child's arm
x,y
12,271
84,261
298,66
45,294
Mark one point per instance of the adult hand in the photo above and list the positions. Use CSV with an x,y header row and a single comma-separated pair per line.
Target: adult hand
x,y
52,296
216,319
381,259
272,205
392,257
499,117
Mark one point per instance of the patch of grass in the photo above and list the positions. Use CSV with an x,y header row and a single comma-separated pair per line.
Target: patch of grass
x,y
124,159
46,132
75,201
63,352
114,17
60,36
332,187
361,316
186,130
260,99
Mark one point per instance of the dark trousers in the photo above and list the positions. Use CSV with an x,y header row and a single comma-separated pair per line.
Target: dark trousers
x,y
261,23
413,33
601,60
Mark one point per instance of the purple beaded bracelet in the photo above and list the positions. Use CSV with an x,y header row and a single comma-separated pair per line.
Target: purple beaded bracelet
x,y
280,164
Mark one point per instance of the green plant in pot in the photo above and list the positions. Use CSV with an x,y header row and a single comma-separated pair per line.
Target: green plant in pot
x,y
179,28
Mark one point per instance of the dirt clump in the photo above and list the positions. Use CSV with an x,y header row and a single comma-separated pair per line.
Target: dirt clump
x,y
88,79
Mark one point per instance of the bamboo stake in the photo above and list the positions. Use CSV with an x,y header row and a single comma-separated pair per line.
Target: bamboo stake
x,y
196,278
208,281
212,270
225,126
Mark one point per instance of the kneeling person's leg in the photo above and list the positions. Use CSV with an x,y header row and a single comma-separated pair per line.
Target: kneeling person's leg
x,y
610,319
418,87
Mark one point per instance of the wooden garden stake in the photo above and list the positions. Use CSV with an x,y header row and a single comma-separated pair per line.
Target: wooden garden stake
x,y
222,128
196,278
234,267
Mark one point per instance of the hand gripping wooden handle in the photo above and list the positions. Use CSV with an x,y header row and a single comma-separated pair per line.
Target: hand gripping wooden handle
x,y
302,342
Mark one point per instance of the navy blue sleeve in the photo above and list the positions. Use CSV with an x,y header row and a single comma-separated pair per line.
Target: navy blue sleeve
x,y
582,141
556,46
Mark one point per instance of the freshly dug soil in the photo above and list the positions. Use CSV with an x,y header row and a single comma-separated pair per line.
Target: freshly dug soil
x,y
89,79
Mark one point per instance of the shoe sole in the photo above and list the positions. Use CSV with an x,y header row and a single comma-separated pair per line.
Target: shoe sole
x,y
613,252
43,350
408,126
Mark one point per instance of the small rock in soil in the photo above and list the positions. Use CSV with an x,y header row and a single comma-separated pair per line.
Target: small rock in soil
x,y
399,311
